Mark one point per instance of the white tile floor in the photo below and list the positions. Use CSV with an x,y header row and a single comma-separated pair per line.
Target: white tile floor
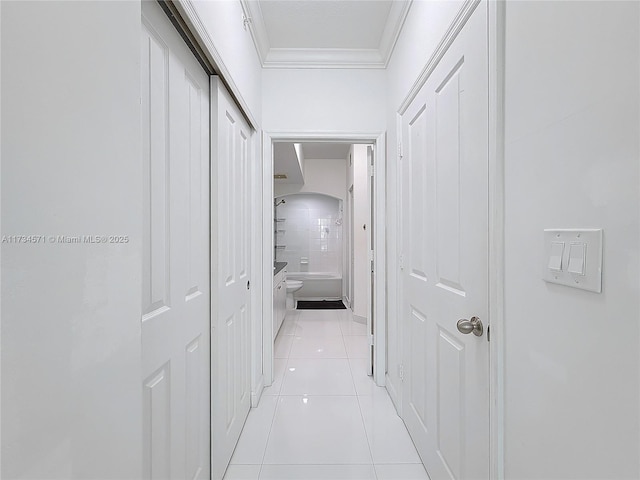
x,y
324,418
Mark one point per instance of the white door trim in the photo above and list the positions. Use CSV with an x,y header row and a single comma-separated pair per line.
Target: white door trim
x,y
496,39
379,140
496,32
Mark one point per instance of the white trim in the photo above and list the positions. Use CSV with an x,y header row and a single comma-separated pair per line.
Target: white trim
x,y
199,31
257,292
324,58
380,262
458,23
257,28
394,394
379,140
0,242
257,394
393,27
496,34
267,260
398,387
360,319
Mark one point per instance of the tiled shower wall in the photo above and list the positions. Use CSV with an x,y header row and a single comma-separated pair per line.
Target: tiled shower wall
x,y
309,233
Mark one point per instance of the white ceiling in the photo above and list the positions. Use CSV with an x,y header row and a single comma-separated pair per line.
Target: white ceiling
x,y
325,151
325,33
285,159
285,162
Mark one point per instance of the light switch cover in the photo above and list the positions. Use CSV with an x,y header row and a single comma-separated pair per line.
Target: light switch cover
x,y
580,262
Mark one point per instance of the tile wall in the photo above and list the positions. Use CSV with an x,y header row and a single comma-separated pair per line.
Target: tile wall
x,y
309,233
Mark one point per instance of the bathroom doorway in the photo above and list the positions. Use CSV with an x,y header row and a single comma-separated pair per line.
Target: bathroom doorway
x,y
371,265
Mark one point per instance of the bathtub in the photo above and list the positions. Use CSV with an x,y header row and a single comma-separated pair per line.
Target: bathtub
x,y
317,285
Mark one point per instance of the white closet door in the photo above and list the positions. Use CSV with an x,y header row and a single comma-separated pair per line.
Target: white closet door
x,y
175,274
230,264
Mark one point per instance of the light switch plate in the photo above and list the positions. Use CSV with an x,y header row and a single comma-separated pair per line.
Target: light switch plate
x,y
588,242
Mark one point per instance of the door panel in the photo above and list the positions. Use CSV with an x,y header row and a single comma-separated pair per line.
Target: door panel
x,y
175,274
445,240
230,255
371,249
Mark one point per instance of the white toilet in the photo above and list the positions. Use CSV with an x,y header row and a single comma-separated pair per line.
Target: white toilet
x,y
292,286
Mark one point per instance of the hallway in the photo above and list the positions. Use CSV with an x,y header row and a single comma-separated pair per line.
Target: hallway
x,y
324,418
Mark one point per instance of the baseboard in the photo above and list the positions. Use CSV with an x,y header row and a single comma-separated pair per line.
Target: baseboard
x,y
346,302
359,319
393,393
257,393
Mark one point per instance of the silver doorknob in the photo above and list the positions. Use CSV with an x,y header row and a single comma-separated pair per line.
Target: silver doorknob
x,y
467,326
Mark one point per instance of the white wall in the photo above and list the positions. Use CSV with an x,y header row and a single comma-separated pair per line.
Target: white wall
x,y
325,176
425,25
223,22
572,152
71,391
323,100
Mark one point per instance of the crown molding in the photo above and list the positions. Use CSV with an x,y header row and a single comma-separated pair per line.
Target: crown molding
x,y
325,57
257,28
393,27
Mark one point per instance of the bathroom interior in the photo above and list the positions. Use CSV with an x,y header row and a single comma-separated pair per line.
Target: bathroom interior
x,y
321,212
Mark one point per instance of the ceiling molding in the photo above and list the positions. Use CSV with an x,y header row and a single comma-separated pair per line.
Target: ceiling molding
x,y
257,28
395,22
325,57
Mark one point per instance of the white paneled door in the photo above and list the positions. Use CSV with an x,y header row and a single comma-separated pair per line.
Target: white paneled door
x,y
445,260
370,249
230,264
175,275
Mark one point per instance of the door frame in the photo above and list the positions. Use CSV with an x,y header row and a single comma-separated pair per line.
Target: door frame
x,y
496,23
378,139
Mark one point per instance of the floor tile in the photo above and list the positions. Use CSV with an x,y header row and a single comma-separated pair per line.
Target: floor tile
x,y
289,324
401,472
319,314
317,347
318,327
253,440
242,472
388,437
279,365
282,346
357,346
318,472
327,376
317,430
351,327
363,382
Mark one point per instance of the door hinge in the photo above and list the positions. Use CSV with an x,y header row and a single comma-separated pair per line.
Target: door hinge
x,y
488,333
401,371
371,340
401,262
399,150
